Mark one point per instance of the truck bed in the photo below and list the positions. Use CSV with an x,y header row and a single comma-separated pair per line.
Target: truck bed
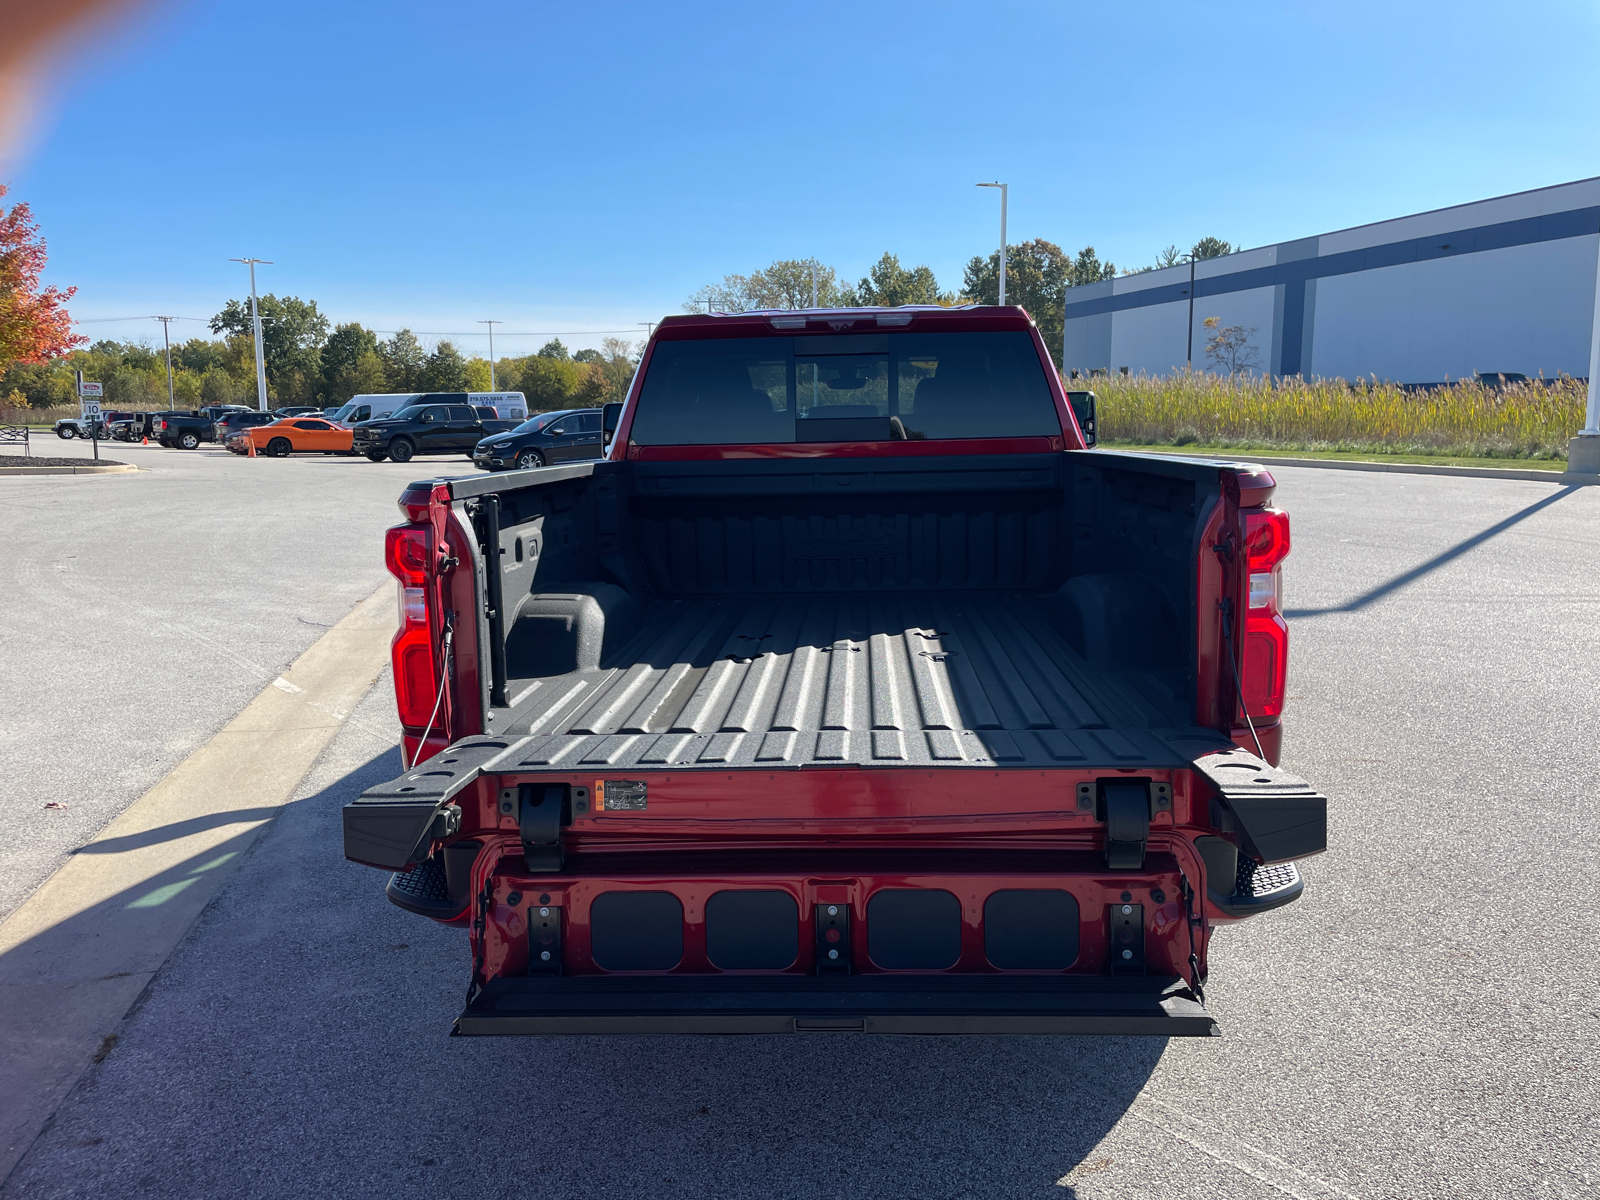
x,y
959,678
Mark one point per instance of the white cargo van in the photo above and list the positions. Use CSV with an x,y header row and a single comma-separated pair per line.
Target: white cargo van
x,y
508,406
370,406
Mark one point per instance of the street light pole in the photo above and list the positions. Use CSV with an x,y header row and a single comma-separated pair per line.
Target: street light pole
x,y
491,325
255,321
167,338
1189,355
1583,451
1003,189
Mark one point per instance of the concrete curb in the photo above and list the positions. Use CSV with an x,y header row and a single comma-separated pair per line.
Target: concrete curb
x,y
1565,478
78,953
119,469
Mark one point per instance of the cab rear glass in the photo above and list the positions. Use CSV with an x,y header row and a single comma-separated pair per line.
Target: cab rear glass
x,y
862,387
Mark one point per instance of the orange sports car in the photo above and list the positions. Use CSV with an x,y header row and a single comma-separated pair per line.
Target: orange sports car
x,y
292,435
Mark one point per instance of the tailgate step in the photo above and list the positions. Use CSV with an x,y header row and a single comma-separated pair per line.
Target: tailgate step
x,y
922,1004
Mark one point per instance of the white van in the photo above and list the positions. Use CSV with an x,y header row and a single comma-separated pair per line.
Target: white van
x,y
371,406
508,406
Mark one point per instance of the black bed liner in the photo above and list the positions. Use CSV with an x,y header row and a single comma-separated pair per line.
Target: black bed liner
x,y
899,679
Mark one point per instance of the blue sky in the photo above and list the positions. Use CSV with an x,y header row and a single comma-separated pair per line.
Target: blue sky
x,y
586,166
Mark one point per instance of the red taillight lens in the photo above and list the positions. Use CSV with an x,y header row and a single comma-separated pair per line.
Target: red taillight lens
x,y
406,550
1266,635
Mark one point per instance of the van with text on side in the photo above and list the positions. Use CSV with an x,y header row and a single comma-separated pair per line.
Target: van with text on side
x,y
507,406
852,691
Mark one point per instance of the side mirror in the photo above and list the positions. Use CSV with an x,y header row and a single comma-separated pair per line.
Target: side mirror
x,y
1083,408
609,416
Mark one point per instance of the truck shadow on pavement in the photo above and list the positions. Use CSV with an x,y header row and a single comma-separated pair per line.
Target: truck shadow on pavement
x,y
1441,559
296,1044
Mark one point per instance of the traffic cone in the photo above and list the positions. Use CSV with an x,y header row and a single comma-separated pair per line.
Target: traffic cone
x,y
145,441
252,451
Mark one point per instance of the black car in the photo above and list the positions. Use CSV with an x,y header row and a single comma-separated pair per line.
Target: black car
x,y
433,423
234,421
570,435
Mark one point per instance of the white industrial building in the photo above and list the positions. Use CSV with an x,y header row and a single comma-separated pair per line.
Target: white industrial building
x,y
1500,286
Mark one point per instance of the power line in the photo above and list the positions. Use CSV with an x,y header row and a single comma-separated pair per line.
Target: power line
x,y
418,332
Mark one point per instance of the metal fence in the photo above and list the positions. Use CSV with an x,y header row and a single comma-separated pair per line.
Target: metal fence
x,y
13,434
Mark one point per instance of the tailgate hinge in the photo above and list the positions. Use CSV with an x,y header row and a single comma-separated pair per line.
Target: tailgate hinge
x,y
541,814
1126,806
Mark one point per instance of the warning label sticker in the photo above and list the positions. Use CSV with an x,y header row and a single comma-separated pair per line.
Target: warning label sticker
x,y
619,795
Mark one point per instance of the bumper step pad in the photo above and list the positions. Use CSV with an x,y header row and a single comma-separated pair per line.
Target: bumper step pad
x,y
912,1004
425,891
1267,886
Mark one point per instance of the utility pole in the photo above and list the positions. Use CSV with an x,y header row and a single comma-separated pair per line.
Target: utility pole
x,y
167,338
813,283
491,325
1003,190
255,321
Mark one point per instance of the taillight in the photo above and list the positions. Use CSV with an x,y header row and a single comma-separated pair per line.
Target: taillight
x,y
406,551
1266,635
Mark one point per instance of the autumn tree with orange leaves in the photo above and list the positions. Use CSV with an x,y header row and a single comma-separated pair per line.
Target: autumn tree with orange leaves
x,y
34,324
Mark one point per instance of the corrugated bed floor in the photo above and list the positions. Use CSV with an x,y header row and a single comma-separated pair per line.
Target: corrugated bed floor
x,y
980,679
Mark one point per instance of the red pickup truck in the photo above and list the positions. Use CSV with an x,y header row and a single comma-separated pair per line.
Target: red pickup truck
x,y
852,691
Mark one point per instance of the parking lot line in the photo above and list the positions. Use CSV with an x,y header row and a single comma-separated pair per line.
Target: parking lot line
x,y
76,956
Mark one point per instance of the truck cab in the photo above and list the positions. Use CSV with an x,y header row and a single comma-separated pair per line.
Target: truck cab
x,y
852,691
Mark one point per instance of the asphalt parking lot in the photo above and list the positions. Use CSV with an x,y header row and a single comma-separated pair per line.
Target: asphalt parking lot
x,y
1423,1023
149,608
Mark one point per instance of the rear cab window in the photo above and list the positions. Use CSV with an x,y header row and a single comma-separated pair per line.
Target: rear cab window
x,y
861,387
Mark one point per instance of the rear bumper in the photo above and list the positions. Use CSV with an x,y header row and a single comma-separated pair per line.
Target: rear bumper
x,y
1101,1006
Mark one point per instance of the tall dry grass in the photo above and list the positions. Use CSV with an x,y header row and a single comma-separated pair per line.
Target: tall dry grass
x,y
1468,419
11,415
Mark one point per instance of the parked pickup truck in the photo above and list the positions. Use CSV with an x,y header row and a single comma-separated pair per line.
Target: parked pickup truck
x,y
851,691
435,423
183,430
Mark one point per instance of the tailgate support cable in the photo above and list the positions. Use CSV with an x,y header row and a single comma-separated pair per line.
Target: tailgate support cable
x,y
1226,604
444,682
1194,958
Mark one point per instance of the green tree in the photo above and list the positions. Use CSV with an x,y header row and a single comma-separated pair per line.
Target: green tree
x,y
553,349
619,360
593,387
478,377
403,359
785,284
341,358
1087,268
292,332
1210,247
445,370
890,285
199,355
547,382
217,386
588,355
